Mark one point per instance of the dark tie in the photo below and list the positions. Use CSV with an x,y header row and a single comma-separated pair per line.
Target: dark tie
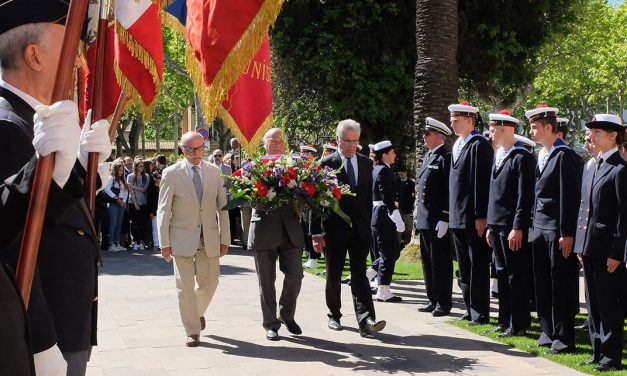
x,y
599,163
197,183
351,173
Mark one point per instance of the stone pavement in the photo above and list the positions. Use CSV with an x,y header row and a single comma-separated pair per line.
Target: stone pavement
x,y
140,331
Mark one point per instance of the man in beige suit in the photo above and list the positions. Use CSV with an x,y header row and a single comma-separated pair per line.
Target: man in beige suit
x,y
194,230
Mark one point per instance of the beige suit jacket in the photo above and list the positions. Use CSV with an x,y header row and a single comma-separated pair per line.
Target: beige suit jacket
x,y
180,218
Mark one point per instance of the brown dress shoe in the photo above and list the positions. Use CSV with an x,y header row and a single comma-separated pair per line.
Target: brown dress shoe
x,y
192,341
203,325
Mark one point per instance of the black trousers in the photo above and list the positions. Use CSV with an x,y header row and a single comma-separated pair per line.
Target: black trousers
x,y
437,266
386,238
101,222
605,293
139,220
512,273
311,254
473,258
233,215
335,256
557,290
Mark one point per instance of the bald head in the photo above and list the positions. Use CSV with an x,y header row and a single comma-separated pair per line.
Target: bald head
x,y
193,145
273,141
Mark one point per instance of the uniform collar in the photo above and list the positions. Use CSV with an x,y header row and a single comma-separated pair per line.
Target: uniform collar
x,y
608,153
30,100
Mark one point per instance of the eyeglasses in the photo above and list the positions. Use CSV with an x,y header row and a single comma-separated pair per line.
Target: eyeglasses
x,y
192,150
349,141
218,156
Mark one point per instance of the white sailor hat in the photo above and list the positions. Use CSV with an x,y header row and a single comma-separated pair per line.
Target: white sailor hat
x,y
504,118
606,122
463,109
433,125
541,112
309,148
486,134
330,146
383,147
562,121
524,140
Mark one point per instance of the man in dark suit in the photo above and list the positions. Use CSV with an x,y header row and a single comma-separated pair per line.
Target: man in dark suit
x,y
62,308
469,186
276,234
555,267
509,214
355,170
406,199
601,233
432,219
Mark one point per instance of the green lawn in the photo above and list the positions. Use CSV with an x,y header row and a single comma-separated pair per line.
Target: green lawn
x,y
528,342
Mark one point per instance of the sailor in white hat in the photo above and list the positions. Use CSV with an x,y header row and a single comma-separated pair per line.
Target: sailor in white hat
x,y
557,196
329,148
469,185
525,142
308,151
386,220
509,213
432,219
562,127
600,242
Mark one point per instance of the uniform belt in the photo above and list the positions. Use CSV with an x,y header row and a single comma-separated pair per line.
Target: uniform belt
x,y
377,203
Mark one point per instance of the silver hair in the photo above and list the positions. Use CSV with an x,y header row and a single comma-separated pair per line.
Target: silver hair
x,y
14,41
349,124
269,132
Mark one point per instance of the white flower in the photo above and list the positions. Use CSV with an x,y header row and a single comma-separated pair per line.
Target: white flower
x,y
325,203
271,194
291,184
329,193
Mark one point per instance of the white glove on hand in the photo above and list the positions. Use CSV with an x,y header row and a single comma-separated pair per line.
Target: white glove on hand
x,y
50,362
56,131
441,227
398,220
104,172
94,139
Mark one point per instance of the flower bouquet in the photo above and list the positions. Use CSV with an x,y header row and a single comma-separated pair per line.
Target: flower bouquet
x,y
271,182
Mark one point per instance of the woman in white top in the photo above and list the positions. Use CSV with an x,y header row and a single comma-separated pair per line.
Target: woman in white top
x,y
117,190
138,182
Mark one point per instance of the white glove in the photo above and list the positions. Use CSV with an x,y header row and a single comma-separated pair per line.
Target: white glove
x,y
56,131
94,139
398,220
441,227
50,362
104,172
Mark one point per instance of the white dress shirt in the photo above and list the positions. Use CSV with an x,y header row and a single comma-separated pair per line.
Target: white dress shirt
x,y
31,101
353,162
191,171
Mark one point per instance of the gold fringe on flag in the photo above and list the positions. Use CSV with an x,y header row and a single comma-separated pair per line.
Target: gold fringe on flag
x,y
147,110
138,52
236,61
249,146
170,21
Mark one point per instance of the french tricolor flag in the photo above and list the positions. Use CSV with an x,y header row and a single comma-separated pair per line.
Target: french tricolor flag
x,y
139,50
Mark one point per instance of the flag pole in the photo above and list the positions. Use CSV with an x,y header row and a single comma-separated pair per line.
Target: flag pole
x,y
96,110
45,165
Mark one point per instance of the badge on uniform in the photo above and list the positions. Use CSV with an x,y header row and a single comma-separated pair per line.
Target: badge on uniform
x,y
434,167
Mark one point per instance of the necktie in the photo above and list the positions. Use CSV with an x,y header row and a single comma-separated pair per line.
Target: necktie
x,y
351,173
599,163
197,183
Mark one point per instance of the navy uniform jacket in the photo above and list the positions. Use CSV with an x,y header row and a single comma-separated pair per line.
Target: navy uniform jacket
x,y
63,299
432,196
384,189
511,190
558,191
469,183
602,229
406,195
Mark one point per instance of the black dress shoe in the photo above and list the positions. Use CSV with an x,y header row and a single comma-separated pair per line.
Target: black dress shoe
x,y
393,299
554,351
479,321
374,290
334,324
512,333
588,363
465,317
370,326
346,280
292,326
428,308
606,368
439,312
272,335
499,329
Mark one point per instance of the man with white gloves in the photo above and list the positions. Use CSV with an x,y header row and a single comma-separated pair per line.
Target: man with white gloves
x,y
61,317
432,219
386,220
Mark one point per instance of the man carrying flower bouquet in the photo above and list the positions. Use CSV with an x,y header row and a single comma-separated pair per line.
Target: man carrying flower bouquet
x,y
354,170
277,234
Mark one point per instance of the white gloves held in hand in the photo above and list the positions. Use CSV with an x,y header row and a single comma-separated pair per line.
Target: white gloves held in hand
x,y
50,362
94,139
56,130
398,220
441,227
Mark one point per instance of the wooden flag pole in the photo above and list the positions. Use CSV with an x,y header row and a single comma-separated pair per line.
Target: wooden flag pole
x,y
45,165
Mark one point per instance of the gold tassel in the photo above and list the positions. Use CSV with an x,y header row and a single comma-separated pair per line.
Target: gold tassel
x,y
172,22
147,110
249,146
138,52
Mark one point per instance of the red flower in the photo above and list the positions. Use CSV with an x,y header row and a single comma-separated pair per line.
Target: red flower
x,y
267,173
286,179
237,172
262,190
337,192
309,188
291,172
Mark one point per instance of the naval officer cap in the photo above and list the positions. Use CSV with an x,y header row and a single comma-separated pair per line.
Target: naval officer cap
x,y
330,146
504,118
383,147
14,13
525,141
433,125
562,122
607,122
463,109
307,148
541,112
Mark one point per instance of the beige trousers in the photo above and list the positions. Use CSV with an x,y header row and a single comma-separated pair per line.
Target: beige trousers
x,y
193,302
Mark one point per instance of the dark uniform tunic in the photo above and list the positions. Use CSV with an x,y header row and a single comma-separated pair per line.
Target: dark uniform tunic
x,y
431,208
62,307
469,186
557,195
601,233
406,198
511,199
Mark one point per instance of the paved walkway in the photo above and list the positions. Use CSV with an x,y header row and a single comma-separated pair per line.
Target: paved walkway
x,y
140,331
